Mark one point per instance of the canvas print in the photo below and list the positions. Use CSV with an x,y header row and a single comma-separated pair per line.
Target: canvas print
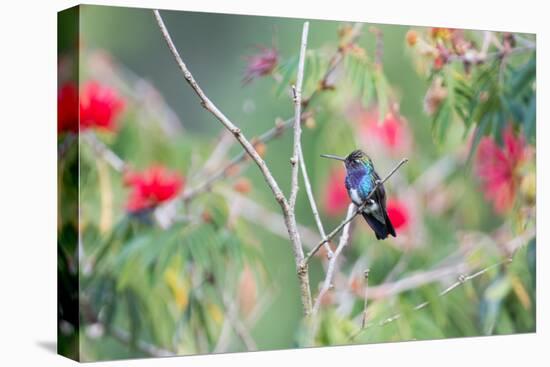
x,y
232,183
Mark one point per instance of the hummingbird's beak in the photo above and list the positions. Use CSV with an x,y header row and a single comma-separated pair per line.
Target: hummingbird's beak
x,y
333,157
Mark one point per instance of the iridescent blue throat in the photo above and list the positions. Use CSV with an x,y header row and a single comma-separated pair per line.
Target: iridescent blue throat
x,y
360,177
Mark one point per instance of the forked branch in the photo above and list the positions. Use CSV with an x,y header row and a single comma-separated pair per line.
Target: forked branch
x,y
286,206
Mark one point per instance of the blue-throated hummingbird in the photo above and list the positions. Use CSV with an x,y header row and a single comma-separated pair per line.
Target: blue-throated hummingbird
x,y
361,179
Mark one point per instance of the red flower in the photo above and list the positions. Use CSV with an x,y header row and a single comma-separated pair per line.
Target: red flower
x,y
335,194
497,168
392,133
151,188
67,109
398,213
439,62
261,64
99,107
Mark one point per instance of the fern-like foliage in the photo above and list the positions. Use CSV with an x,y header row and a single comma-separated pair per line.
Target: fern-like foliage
x,y
493,95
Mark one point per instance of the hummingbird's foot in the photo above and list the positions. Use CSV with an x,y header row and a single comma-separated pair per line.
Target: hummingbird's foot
x,y
378,182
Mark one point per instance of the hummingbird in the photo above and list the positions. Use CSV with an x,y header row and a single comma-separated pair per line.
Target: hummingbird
x,y
361,179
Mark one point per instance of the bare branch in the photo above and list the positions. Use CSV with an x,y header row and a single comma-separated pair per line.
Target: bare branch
x,y
104,152
515,243
269,220
211,107
238,326
266,137
416,280
357,211
297,93
336,59
152,350
290,217
275,132
93,321
379,53
365,304
224,142
332,263
288,210
313,204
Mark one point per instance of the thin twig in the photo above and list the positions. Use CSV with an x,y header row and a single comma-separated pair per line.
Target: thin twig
x,y
297,94
390,289
313,204
269,220
357,211
92,319
238,326
223,172
224,142
462,279
290,218
298,152
479,57
104,152
365,304
277,131
335,60
332,262
379,53
152,350
211,107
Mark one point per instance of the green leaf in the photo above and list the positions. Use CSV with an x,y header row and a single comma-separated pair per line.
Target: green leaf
x,y
491,303
133,305
530,119
382,88
288,71
532,261
479,132
524,76
360,76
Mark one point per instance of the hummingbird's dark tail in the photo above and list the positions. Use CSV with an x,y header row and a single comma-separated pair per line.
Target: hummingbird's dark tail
x,y
381,230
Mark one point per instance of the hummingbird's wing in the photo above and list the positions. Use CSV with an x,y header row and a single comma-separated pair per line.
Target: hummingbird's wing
x,y
382,203
376,215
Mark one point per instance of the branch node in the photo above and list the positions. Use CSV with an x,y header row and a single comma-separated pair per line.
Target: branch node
x,y
366,273
294,93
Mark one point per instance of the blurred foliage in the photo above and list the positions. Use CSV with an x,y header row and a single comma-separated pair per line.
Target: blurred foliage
x,y
221,266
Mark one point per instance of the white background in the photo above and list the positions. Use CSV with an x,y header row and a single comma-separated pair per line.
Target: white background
x,y
28,182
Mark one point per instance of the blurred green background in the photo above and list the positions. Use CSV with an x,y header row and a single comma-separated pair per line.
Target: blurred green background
x,y
214,47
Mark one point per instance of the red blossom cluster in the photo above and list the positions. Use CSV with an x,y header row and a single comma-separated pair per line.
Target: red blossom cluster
x,y
98,106
498,168
67,109
399,213
151,187
392,134
335,194
443,44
